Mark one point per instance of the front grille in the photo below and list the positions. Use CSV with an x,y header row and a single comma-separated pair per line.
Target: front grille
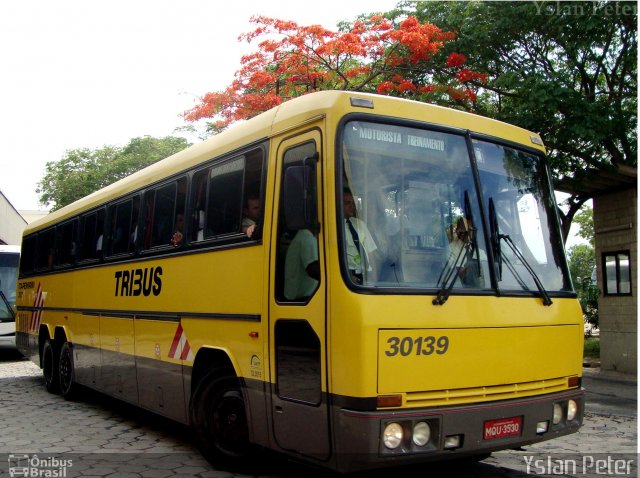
x,y
461,396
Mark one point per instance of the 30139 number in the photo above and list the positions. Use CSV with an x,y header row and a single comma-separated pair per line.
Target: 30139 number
x,y
406,346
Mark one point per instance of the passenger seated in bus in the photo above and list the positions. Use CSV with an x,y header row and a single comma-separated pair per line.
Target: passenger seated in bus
x,y
178,235
251,212
301,268
359,244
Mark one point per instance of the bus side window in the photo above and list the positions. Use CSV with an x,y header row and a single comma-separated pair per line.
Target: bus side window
x,y
179,231
164,214
99,234
88,244
123,222
220,196
66,243
91,235
252,208
44,251
199,201
133,234
224,207
28,256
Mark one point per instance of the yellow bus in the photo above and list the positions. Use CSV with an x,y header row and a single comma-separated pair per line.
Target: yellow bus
x,y
354,280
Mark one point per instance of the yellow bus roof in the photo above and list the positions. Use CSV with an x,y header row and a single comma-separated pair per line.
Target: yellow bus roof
x,y
333,104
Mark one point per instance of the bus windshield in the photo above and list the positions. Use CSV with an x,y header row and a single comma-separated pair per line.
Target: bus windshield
x,y
411,205
8,278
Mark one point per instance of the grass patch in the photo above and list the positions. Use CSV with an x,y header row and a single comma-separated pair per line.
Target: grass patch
x,y
592,347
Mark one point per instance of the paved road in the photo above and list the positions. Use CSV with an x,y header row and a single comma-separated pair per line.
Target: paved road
x,y
101,437
610,393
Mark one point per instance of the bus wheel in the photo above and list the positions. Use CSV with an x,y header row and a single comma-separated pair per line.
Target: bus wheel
x,y
50,367
66,372
219,418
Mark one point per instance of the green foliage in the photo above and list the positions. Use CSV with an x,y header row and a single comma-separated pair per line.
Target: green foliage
x,y
567,70
83,171
585,219
582,260
582,263
568,73
589,304
592,347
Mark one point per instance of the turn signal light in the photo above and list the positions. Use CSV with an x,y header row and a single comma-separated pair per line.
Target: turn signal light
x,y
386,401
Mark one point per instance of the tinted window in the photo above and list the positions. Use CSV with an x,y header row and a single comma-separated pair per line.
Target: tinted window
x,y
123,219
28,257
66,243
224,208
227,198
44,250
164,214
91,233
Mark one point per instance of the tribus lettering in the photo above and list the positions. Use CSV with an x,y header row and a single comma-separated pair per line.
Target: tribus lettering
x,y
139,282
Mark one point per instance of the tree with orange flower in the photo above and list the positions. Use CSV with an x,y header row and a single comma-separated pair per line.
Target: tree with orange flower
x,y
373,55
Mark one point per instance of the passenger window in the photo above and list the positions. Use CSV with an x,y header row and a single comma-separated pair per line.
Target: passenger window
x,y
66,243
199,201
124,227
44,251
224,207
28,256
252,200
164,215
92,233
227,198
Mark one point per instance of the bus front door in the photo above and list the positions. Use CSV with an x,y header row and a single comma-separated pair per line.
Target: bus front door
x,y
297,303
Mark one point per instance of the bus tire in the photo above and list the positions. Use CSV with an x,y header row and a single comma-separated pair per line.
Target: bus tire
x,y
67,372
219,419
50,367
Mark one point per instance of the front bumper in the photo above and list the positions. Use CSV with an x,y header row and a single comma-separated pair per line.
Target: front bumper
x,y
359,443
8,341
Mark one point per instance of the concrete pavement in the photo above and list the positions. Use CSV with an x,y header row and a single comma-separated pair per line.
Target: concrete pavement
x,y
106,438
610,393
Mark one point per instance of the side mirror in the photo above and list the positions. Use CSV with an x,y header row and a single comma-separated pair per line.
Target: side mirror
x,y
299,198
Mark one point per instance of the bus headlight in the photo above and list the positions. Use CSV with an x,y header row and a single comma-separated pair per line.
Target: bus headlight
x,y
392,435
557,413
421,433
572,410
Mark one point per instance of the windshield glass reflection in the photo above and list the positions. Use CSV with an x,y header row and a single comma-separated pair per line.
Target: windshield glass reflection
x,y
515,184
413,190
411,218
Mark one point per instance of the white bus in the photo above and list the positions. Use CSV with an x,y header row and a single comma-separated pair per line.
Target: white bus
x,y
9,259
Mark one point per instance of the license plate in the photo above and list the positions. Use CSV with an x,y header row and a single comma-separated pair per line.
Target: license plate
x,y
504,427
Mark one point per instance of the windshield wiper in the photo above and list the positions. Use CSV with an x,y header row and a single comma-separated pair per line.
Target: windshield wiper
x,y
546,300
496,237
448,276
515,274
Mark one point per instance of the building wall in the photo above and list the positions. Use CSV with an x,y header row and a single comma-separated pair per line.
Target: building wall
x,y
615,222
11,223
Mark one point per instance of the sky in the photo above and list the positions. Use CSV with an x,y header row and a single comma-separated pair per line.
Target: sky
x,y
78,73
